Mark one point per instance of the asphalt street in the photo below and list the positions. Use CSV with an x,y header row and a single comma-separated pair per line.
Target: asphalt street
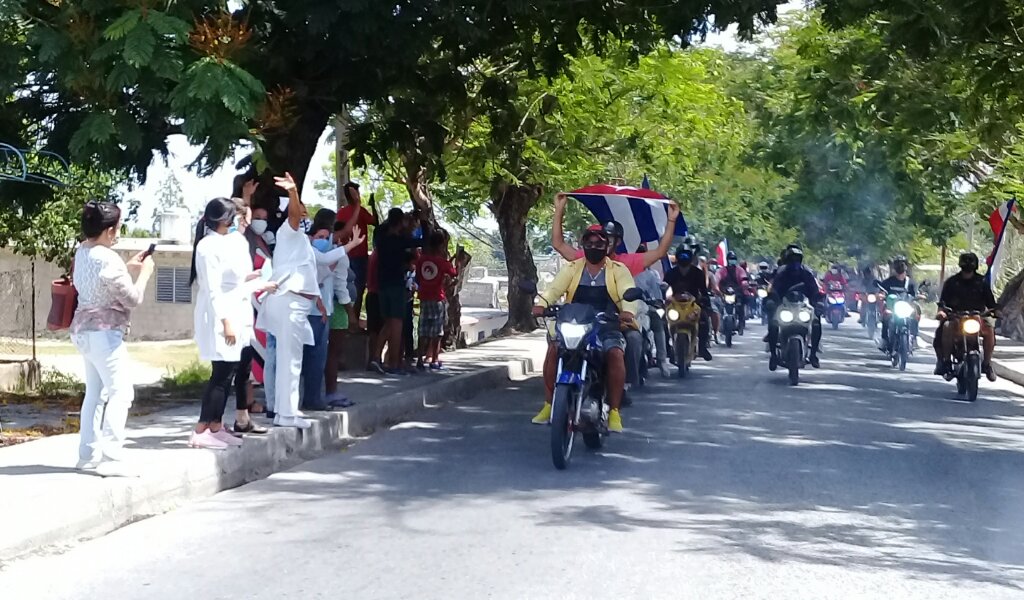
x,y
860,483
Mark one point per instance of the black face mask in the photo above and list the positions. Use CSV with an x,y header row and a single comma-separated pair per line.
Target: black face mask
x,y
901,269
595,256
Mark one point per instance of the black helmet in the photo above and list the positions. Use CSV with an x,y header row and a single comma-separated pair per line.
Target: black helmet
x,y
969,262
684,254
793,254
899,264
731,256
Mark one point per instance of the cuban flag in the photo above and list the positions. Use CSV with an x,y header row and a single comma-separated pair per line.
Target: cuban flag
x,y
642,212
998,220
721,251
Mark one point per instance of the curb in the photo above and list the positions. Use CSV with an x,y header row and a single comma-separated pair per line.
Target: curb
x,y
206,474
1001,370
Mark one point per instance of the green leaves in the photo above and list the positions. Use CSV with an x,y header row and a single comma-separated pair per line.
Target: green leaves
x,y
97,128
139,45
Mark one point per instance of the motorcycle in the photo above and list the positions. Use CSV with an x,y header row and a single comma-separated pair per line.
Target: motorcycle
x,y
967,351
683,325
762,296
731,321
580,402
836,305
899,305
869,308
793,317
648,356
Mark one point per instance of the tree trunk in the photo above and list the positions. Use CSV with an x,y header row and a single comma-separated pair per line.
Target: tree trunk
x,y
291,149
1011,309
511,206
453,326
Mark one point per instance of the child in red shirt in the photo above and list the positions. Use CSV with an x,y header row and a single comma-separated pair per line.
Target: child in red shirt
x,y
433,270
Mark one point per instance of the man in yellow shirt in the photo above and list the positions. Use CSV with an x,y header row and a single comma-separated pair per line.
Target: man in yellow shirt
x,y
600,282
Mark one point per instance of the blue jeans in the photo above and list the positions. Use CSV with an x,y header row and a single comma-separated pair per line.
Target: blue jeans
x,y
314,361
270,372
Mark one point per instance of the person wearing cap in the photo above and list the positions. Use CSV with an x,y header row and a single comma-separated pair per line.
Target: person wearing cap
x,y
791,274
600,282
635,262
965,291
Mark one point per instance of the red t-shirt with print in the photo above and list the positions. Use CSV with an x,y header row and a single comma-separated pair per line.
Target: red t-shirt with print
x,y
431,270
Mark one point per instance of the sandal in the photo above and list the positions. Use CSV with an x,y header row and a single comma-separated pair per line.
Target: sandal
x,y
257,408
250,427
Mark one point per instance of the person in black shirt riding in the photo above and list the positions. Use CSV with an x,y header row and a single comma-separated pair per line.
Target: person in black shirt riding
x,y
792,274
899,280
689,279
965,291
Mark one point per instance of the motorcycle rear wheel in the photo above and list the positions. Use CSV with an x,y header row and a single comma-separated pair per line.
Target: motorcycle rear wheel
x,y
794,352
562,430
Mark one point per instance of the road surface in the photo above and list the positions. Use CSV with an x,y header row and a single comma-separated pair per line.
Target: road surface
x,y
860,483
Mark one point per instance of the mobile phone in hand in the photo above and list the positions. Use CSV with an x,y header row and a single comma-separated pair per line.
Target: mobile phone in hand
x,y
149,251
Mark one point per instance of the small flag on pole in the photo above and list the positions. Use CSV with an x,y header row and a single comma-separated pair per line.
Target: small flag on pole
x,y
646,184
998,220
721,251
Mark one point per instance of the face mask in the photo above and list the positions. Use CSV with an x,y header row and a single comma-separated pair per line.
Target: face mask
x,y
595,256
323,245
269,238
733,263
258,226
901,269
835,271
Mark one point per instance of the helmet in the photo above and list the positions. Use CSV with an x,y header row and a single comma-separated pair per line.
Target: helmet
x,y
793,254
899,263
594,231
762,266
684,254
613,229
731,256
969,261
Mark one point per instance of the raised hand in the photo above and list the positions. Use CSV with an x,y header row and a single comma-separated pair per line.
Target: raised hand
x,y
561,199
286,183
248,189
673,210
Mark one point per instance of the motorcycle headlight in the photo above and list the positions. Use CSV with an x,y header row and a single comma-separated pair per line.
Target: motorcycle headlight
x,y
832,300
903,309
786,316
660,311
730,298
762,293
572,333
872,298
673,314
971,326
805,316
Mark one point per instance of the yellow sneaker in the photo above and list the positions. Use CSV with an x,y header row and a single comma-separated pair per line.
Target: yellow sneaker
x,y
614,421
544,416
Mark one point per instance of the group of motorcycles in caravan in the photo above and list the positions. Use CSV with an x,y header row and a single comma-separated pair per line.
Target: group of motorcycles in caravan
x,y
580,405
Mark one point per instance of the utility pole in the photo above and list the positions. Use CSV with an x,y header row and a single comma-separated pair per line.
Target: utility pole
x,y
942,267
341,172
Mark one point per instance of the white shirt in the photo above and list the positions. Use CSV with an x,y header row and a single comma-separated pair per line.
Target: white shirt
x,y
222,264
106,292
332,276
295,262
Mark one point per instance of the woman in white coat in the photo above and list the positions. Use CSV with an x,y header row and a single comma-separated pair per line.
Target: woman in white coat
x,y
223,268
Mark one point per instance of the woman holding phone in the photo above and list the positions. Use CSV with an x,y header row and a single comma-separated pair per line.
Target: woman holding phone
x,y
106,296
223,268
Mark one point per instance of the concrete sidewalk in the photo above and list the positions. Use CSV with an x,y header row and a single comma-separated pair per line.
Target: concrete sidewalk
x,y
48,505
1007,362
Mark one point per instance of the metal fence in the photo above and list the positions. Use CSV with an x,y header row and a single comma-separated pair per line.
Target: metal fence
x,y
17,311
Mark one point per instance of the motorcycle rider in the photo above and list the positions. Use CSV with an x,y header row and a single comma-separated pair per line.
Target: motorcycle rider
x,y
764,274
965,291
900,279
835,275
600,282
869,283
736,276
684,277
711,282
792,273
650,282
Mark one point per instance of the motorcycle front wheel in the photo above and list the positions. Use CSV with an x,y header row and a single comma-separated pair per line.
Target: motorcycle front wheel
x,y
904,350
562,430
728,326
682,349
794,356
972,372
872,323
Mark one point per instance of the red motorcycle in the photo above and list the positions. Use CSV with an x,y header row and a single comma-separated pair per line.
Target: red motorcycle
x,y
836,311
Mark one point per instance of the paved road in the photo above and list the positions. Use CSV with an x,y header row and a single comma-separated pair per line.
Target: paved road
x,y
860,483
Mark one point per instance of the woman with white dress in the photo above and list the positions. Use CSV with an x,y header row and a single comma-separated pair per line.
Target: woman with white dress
x,y
223,269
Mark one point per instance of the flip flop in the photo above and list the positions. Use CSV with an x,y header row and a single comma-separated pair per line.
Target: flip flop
x,y
250,427
341,403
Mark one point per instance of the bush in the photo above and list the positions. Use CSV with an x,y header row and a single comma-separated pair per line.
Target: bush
x,y
57,383
193,375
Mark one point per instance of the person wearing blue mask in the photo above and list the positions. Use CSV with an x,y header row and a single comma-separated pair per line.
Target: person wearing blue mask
x,y
330,261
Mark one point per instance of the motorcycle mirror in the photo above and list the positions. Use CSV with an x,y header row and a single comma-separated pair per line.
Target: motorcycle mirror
x,y
528,287
633,294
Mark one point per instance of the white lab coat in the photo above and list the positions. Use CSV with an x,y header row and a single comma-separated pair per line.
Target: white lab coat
x,y
222,264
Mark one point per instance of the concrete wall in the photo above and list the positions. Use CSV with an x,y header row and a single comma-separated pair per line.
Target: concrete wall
x,y
151,321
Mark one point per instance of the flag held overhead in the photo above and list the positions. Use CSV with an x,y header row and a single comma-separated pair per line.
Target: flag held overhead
x,y
643,213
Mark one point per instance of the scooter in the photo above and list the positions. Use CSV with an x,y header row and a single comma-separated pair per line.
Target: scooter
x,y
683,314
732,323
836,305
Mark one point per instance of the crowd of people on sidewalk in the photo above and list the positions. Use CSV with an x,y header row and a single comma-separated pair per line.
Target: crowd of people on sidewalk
x,y
274,303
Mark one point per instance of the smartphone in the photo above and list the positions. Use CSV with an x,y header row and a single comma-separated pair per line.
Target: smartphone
x,y
149,251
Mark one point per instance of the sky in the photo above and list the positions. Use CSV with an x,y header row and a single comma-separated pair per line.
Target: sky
x,y
197,191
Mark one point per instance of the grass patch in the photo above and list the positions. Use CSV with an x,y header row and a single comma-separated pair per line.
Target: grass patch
x,y
57,383
192,376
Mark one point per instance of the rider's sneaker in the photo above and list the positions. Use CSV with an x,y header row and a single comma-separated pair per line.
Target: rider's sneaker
x,y
942,368
614,421
986,368
664,368
813,359
773,361
544,416
705,354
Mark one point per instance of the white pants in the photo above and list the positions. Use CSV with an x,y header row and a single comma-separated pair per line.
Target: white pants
x,y
108,394
285,316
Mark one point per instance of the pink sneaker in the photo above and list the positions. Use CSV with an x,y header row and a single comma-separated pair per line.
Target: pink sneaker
x,y
206,440
227,437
